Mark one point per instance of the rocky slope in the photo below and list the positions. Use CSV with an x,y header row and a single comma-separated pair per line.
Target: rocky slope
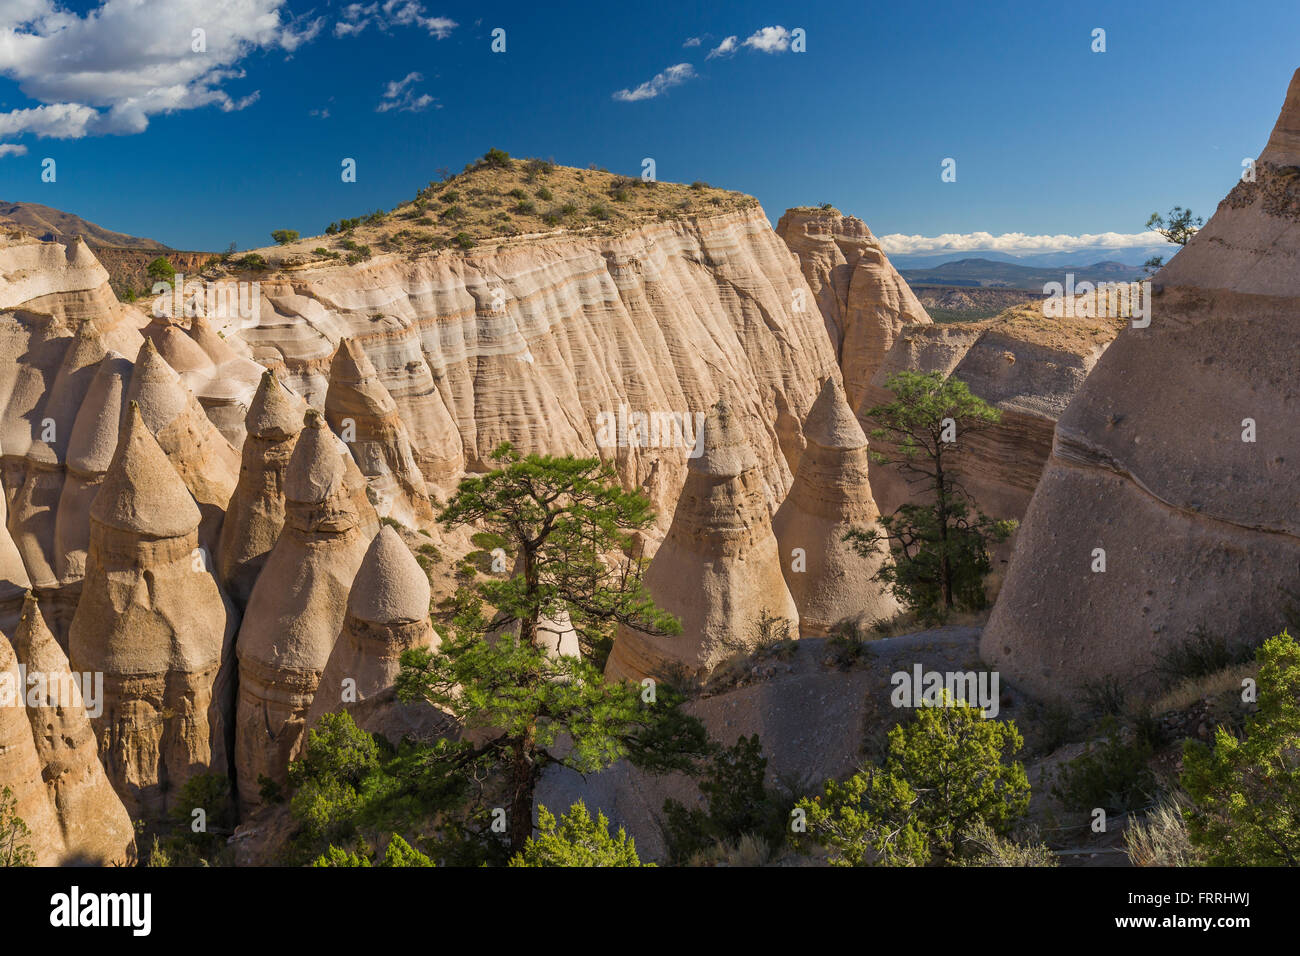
x,y
1155,461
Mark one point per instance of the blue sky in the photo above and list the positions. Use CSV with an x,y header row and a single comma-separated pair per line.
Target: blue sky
x,y
200,150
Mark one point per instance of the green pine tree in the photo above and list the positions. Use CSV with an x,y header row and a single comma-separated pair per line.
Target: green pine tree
x,y
576,840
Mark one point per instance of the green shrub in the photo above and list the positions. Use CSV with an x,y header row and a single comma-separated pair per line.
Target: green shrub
x,y
1246,793
944,771
251,261
1114,774
285,236
14,848
598,211
497,159
463,240
1199,656
161,270
544,194
576,840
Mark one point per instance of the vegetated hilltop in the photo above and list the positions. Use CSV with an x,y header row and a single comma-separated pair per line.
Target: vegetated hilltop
x,y
500,198
986,272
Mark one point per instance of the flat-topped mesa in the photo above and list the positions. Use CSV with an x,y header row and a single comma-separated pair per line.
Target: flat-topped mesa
x,y
364,415
33,510
718,570
95,826
153,621
205,460
862,298
298,604
1190,501
91,445
388,613
20,766
256,513
830,496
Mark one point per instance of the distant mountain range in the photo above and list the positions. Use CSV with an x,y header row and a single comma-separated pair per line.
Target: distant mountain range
x,y
1129,254
1014,275
56,225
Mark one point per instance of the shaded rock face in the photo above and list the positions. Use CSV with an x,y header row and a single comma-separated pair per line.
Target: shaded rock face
x,y
717,570
534,343
256,514
388,613
93,822
298,604
864,301
364,415
153,621
1200,528
831,495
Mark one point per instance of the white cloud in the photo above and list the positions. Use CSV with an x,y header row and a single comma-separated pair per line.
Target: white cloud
x,y
769,40
322,113
400,95
124,62
1014,242
12,149
726,48
693,41
673,76
391,13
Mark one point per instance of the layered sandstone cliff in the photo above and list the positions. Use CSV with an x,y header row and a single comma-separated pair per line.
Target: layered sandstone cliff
x,y
1174,460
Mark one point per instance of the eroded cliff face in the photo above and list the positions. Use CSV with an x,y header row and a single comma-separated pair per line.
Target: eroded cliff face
x,y
863,300
1155,462
537,342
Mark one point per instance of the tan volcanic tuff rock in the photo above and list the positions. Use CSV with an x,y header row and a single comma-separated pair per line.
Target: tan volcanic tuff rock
x,y
1023,363
831,495
360,410
535,341
14,581
256,513
717,570
227,394
388,613
1154,463
90,449
863,299
153,621
207,463
20,765
33,512
40,342
298,603
95,826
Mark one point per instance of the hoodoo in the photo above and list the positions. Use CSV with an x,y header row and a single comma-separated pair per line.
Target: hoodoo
x,y
831,495
204,459
299,602
152,620
718,570
94,823
256,513
90,452
863,300
20,765
363,413
1189,499
388,613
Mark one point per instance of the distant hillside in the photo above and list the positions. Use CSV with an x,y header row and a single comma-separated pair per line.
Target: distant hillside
x,y
986,272
55,225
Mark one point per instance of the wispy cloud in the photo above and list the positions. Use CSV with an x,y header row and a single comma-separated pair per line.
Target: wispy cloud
x,y
693,41
356,17
726,48
12,149
111,70
659,83
769,40
1014,242
400,95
